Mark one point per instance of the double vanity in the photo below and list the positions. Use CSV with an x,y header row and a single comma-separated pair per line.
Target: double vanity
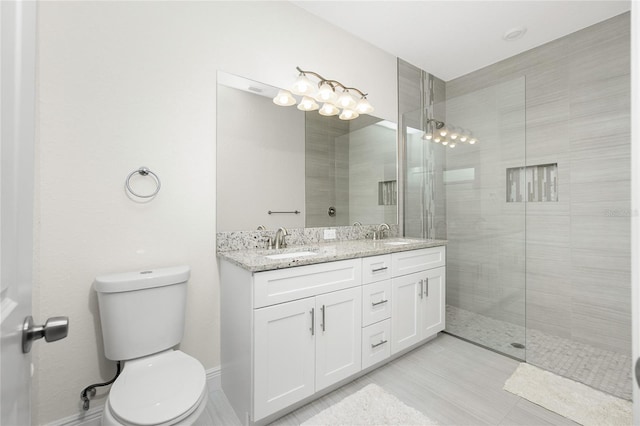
x,y
299,322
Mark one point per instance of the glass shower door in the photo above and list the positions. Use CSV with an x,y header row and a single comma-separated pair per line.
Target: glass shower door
x,y
474,195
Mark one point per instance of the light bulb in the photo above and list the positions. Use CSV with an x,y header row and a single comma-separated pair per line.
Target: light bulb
x,y
348,114
428,136
443,132
345,100
303,86
445,142
328,110
307,104
453,145
364,107
454,136
326,93
463,138
472,141
437,139
284,98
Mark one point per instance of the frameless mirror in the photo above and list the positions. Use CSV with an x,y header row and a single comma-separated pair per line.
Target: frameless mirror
x,y
279,166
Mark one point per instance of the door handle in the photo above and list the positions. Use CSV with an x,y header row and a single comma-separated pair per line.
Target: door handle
x,y
426,287
55,328
420,282
313,321
323,322
637,371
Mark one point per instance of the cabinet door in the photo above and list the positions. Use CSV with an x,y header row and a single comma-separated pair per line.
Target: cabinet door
x,y
338,336
433,302
405,311
284,355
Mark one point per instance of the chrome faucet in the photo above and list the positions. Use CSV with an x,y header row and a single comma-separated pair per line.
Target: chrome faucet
x,y
379,234
278,240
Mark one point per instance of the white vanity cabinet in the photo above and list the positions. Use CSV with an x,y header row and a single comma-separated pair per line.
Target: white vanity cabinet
x,y
418,296
288,334
302,329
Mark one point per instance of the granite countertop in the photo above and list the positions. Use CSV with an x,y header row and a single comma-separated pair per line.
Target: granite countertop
x,y
256,260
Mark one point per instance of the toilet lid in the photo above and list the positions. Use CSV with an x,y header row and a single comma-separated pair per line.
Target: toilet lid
x,y
156,389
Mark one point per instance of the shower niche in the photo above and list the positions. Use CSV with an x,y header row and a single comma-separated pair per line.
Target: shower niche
x,y
537,183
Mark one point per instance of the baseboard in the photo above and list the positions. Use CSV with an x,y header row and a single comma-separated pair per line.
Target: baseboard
x,y
93,416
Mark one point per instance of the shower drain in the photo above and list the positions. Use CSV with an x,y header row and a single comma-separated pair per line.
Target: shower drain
x,y
518,345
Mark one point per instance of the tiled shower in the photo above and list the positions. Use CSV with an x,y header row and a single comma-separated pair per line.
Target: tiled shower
x,y
537,213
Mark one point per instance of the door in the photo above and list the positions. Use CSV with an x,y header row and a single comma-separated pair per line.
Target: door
x,y
284,355
17,124
338,336
405,311
433,313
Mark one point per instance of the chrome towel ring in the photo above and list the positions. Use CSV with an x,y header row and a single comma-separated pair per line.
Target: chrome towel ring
x,y
143,171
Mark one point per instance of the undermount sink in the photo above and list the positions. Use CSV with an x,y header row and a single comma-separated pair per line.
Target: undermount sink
x,y
396,243
290,255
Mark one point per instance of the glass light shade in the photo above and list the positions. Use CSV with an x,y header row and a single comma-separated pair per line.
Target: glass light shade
x,y
303,86
348,114
453,145
463,138
345,100
454,136
437,139
308,104
428,136
328,110
284,98
472,141
326,93
445,142
364,107
443,132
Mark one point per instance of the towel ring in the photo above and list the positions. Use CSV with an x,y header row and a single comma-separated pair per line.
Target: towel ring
x,y
143,171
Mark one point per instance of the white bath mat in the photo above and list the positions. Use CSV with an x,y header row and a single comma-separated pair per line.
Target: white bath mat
x,y
570,399
371,405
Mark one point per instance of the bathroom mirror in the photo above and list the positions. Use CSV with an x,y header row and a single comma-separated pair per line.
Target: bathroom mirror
x,y
279,166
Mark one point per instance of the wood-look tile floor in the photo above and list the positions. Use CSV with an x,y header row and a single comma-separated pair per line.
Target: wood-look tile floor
x,y
451,381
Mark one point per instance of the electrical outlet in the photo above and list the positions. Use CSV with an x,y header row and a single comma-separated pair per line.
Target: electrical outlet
x,y
329,234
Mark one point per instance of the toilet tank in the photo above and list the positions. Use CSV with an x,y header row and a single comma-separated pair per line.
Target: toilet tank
x,y
142,312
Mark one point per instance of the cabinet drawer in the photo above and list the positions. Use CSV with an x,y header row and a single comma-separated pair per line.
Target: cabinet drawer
x,y
408,262
376,302
376,268
376,343
283,285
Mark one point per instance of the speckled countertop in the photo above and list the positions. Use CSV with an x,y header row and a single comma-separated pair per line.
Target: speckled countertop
x,y
257,260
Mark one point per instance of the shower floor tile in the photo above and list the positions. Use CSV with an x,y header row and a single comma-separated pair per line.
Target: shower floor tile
x,y
599,368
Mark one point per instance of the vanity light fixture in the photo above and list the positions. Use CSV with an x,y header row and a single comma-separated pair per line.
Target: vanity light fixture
x,y
325,92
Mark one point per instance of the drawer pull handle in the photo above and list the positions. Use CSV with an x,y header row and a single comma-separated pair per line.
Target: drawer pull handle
x,y
379,303
382,342
313,321
323,322
384,268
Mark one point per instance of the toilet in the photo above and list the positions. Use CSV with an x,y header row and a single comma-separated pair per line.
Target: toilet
x,y
142,316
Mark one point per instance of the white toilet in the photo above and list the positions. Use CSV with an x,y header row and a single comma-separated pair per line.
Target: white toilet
x,y
142,316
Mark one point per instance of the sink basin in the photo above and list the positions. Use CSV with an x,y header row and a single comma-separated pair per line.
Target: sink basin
x,y
396,243
290,255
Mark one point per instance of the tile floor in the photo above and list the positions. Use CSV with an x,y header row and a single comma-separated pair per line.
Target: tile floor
x,y
601,369
451,381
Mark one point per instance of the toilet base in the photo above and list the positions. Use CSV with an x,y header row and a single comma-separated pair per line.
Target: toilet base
x,y
108,419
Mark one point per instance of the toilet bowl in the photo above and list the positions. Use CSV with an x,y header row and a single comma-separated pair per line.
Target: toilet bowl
x,y
164,389
142,317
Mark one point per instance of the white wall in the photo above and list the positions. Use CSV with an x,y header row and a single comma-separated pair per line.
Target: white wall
x,y
126,84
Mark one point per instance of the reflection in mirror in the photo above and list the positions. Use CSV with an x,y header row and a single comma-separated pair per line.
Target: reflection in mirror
x,y
278,166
